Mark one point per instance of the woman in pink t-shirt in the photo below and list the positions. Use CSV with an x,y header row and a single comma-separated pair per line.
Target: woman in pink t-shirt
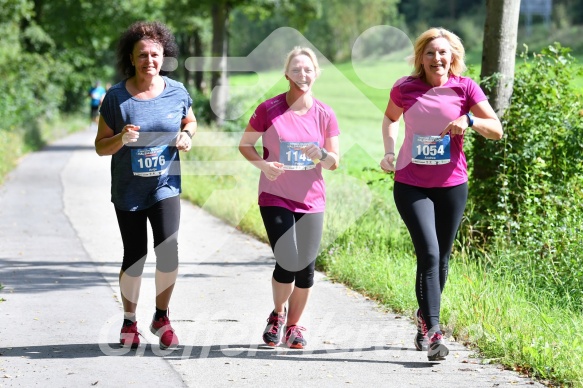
x,y
300,137
431,190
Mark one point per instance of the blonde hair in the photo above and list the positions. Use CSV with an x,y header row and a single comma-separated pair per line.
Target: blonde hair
x,y
298,50
458,53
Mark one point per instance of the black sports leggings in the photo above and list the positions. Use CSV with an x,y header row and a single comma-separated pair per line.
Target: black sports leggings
x,y
432,217
295,241
164,218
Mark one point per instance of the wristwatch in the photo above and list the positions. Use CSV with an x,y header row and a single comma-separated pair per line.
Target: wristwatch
x,y
470,119
324,154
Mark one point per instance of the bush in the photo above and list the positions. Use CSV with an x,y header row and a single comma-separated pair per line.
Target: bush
x,y
534,216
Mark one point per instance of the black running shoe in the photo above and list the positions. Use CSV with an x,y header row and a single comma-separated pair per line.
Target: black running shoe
x,y
437,349
421,336
274,328
294,338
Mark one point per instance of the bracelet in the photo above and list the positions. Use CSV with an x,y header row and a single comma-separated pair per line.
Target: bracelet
x,y
324,154
187,132
390,153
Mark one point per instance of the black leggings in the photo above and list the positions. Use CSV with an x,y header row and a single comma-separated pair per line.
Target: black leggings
x,y
432,217
164,218
295,241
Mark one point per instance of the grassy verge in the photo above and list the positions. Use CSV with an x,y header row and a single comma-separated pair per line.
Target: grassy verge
x,y
367,247
15,144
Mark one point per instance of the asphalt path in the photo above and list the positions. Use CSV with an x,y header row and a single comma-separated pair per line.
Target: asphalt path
x,y
60,254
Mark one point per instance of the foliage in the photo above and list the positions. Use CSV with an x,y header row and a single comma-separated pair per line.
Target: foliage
x,y
532,208
331,26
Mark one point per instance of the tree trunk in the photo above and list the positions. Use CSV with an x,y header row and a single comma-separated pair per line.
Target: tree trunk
x,y
219,80
499,50
183,41
198,53
498,56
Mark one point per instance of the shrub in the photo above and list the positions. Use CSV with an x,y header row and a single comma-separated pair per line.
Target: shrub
x,y
534,217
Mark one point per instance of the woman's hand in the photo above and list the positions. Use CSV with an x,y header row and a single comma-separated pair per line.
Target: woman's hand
x,y
388,162
183,142
313,152
272,170
130,134
456,127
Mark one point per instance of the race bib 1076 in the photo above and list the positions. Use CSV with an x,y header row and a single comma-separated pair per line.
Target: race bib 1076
x,y
150,161
431,150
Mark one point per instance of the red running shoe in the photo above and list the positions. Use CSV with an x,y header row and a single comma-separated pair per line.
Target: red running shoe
x,y
129,336
163,329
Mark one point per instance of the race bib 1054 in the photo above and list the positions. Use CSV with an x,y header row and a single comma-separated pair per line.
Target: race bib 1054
x,y
431,150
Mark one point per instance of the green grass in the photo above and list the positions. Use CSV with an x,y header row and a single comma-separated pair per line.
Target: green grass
x,y
366,245
15,144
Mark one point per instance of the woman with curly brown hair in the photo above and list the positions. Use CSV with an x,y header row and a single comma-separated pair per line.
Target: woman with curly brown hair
x,y
145,120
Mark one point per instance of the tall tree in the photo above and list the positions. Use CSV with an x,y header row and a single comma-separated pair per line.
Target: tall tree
x,y
220,48
220,15
498,61
499,50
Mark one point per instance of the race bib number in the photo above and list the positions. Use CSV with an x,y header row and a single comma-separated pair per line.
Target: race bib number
x,y
431,150
150,161
292,158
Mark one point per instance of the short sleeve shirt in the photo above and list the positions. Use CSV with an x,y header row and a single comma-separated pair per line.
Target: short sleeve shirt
x,y
427,111
159,119
299,191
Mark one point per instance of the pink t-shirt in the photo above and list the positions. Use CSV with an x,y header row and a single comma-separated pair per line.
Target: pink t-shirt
x,y
299,191
427,111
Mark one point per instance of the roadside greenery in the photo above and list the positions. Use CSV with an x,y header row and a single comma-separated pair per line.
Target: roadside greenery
x,y
34,135
532,207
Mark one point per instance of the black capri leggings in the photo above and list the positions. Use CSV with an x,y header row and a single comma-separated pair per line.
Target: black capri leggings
x,y
295,241
432,216
164,218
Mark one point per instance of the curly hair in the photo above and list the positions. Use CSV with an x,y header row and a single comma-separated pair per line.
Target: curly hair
x,y
154,31
457,66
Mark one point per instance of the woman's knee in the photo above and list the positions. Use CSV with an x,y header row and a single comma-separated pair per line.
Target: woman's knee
x,y
305,277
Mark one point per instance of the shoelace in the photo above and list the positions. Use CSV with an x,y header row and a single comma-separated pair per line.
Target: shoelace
x,y
134,331
422,323
296,331
275,322
165,323
130,329
435,337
